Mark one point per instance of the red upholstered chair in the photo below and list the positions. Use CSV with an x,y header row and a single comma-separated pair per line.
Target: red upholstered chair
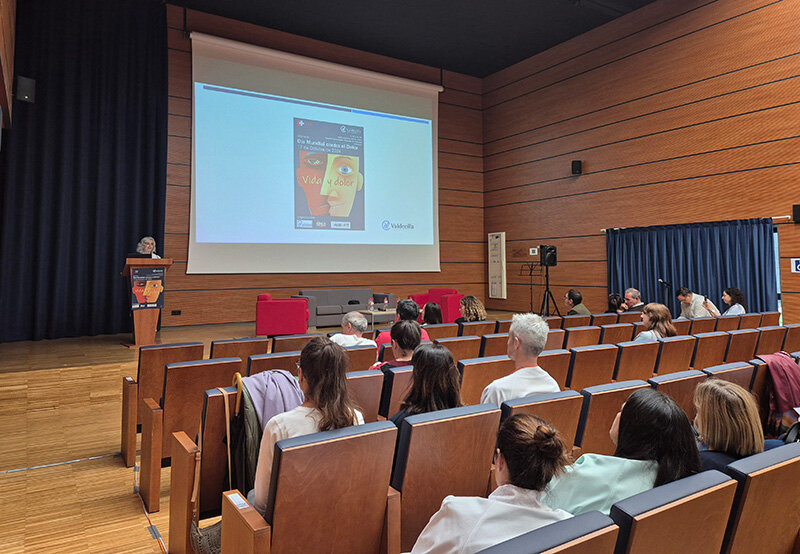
x,y
448,299
281,316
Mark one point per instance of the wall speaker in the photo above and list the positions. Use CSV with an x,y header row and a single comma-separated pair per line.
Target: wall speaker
x,y
547,255
26,89
796,213
577,167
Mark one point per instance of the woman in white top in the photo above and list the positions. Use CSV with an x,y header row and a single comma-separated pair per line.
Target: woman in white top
x,y
734,298
529,453
322,377
147,246
657,322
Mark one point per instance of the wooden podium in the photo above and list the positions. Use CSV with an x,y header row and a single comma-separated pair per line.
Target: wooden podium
x,y
145,320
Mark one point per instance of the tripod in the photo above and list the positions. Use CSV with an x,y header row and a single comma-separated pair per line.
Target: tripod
x,y
548,295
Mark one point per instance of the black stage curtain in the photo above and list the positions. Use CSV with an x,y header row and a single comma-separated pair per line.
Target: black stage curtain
x,y
705,257
84,167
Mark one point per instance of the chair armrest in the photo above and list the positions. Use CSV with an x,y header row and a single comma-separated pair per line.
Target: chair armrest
x,y
390,539
243,529
312,308
185,456
150,474
130,394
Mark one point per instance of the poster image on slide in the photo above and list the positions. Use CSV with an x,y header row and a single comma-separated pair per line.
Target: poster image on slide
x,y
329,175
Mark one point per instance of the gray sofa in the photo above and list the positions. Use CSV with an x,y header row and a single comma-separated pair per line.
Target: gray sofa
x,y
326,306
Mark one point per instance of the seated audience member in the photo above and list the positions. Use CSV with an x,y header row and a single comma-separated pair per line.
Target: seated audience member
x,y
529,453
574,300
431,314
434,383
693,305
633,300
657,323
471,310
615,304
734,298
147,246
407,310
353,326
406,337
322,377
526,339
655,446
728,424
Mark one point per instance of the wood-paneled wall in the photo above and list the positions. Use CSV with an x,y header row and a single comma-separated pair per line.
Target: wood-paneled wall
x,y
8,21
682,111
232,298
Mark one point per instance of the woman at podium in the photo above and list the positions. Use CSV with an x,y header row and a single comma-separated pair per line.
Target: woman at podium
x,y
147,246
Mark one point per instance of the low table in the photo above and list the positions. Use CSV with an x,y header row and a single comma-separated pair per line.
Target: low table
x,y
372,313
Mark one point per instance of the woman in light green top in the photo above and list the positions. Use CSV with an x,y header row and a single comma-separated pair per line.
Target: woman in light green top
x,y
655,446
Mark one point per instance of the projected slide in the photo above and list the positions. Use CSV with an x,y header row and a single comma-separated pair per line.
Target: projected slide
x,y
280,170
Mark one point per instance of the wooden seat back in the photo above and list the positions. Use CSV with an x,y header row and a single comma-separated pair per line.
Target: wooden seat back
x,y
569,321
361,357
702,325
750,321
289,343
792,341
680,387
561,410
556,363
462,348
554,321
616,333
581,336
555,339
448,452
591,365
478,373
442,330
476,328
599,408
741,345
590,532
740,373
364,388
769,319
682,326
635,360
495,344
629,317
727,323
759,387
670,515
770,339
395,387
239,348
153,360
675,354
604,319
278,360
709,349
503,325
768,483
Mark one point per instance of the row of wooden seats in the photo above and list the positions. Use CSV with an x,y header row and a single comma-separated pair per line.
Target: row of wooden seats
x,y
704,324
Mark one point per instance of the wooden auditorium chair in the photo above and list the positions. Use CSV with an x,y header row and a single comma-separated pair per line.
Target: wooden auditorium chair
x,y
770,319
561,410
591,365
604,319
503,325
180,409
740,373
288,343
702,325
396,384
675,354
239,348
635,360
741,345
448,452
364,388
278,360
478,373
476,328
588,533
750,321
554,321
709,349
616,333
687,516
442,330
569,321
759,387
555,339
680,387
494,344
361,357
682,326
727,323
792,341
556,364
630,317
330,491
770,339
149,383
463,347
586,335
599,408
766,513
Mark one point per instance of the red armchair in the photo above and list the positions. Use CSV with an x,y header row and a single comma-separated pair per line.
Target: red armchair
x,y
448,299
281,316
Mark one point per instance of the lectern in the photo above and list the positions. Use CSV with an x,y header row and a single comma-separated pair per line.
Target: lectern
x,y
146,277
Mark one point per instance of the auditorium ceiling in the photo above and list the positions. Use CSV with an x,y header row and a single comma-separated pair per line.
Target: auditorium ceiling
x,y
475,37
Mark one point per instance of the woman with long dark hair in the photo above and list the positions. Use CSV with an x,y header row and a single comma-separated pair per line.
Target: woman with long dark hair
x,y
431,313
655,445
734,298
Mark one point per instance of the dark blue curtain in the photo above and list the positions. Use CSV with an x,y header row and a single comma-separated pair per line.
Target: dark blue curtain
x,y
705,257
83,169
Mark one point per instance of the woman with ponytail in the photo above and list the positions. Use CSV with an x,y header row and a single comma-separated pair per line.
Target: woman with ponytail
x,y
529,453
322,377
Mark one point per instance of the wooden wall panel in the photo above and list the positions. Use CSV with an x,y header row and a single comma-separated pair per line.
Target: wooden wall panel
x,y
680,112
230,298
